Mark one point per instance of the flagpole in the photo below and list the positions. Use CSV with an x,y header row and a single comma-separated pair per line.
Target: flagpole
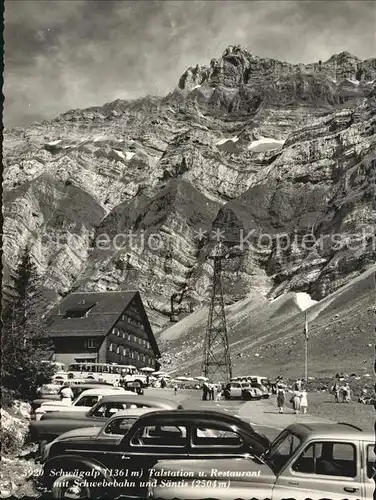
x,y
306,350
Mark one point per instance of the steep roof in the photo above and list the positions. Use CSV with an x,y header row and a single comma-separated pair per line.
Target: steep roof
x,y
104,309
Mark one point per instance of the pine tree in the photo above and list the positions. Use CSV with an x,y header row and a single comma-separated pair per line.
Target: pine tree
x,y
24,340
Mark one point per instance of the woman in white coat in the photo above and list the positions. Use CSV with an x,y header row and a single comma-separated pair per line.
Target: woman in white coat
x,y
303,401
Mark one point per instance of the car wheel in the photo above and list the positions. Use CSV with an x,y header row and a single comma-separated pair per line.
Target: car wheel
x,y
71,486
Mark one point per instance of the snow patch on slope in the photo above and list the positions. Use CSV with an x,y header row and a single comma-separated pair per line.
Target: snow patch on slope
x,y
232,139
304,301
266,144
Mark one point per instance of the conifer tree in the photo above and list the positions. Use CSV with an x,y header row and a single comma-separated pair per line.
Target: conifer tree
x,y
24,337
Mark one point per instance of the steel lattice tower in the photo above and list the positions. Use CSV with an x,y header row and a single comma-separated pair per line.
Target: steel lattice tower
x,y
216,359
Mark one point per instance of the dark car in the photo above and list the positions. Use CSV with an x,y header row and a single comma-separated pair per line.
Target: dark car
x,y
89,468
53,424
111,430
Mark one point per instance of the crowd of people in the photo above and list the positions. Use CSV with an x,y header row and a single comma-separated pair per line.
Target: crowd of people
x,y
210,391
342,393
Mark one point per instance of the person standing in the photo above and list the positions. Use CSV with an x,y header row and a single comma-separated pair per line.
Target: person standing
x,y
336,391
210,391
296,402
205,391
175,389
66,394
346,393
304,401
280,398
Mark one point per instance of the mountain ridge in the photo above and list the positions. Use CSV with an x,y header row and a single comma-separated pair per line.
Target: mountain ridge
x,y
282,153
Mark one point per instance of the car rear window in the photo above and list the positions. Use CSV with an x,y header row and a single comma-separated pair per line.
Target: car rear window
x,y
216,437
120,426
160,435
370,461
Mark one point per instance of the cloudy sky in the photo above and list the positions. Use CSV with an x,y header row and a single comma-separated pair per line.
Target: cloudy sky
x,y
69,54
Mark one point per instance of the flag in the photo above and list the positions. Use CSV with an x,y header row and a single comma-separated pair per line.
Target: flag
x,y
306,327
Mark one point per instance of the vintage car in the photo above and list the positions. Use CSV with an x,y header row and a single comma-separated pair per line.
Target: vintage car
x,y
51,392
54,424
123,467
109,430
314,461
118,425
86,400
241,390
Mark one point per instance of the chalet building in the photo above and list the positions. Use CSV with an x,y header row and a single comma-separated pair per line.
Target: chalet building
x,y
103,327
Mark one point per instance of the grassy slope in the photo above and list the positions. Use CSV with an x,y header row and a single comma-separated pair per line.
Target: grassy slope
x,y
341,328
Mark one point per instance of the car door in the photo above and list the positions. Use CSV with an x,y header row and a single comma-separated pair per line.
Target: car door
x,y
140,450
323,469
368,470
236,390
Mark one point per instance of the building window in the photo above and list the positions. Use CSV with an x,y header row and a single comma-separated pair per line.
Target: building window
x,y
118,350
111,346
129,336
91,344
123,335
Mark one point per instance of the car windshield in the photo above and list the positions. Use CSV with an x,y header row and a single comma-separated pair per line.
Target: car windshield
x,y
282,448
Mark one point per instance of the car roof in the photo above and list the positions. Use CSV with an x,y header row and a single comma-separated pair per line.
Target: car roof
x,y
208,416
98,391
333,430
128,398
132,412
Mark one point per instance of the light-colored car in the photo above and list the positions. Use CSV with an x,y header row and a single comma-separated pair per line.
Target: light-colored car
x,y
82,403
313,461
241,390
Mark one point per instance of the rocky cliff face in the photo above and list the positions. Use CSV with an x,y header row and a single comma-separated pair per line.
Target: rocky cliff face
x,y
272,158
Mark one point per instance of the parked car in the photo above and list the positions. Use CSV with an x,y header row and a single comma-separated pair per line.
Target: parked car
x,y
52,425
313,461
250,393
167,434
109,431
51,392
133,386
241,390
82,403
